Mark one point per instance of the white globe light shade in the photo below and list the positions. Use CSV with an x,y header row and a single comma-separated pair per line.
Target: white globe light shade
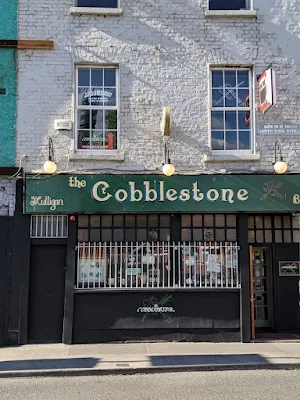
x,y
50,167
168,169
280,167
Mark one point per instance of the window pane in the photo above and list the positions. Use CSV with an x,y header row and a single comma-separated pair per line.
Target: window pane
x,y
118,235
296,236
111,119
95,221
278,236
208,220
286,221
109,96
84,96
244,119
231,235
231,140
109,77
98,3
227,5
164,234
230,78
217,120
97,140
185,220
217,98
230,97
268,222
97,96
287,236
268,236
277,222
186,235
83,235
244,140
220,235
197,234
141,220
106,235
260,236
129,235
110,140
259,222
250,222
83,76
153,220
129,220
217,79
141,235
251,236
97,119
97,77
95,235
220,219
217,140
83,221
83,140
243,78
243,98
83,119
164,220
106,220
230,119
197,220
231,220
118,220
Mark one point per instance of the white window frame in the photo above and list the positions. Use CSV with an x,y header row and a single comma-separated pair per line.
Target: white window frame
x,y
90,107
251,107
118,5
249,6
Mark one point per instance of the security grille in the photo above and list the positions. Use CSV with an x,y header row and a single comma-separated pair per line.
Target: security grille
x,y
143,265
49,226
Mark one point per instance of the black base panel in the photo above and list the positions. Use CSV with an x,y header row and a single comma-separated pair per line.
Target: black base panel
x,y
156,335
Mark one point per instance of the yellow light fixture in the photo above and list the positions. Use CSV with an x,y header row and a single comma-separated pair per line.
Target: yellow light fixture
x,y
280,166
50,166
168,168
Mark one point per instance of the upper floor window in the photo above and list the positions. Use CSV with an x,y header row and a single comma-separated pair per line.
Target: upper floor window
x,y
97,108
98,3
229,4
231,106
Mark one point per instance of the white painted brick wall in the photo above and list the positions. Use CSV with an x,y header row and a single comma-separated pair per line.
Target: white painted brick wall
x,y
7,197
176,76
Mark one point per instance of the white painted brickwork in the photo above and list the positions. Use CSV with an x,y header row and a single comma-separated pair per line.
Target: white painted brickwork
x,y
176,75
7,197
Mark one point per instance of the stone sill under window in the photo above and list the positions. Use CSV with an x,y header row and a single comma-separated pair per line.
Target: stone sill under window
x,y
118,156
96,11
231,13
232,157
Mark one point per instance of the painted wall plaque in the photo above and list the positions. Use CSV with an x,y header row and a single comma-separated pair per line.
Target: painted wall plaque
x,y
289,268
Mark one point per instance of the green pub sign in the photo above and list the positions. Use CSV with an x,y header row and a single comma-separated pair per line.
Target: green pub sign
x,y
155,193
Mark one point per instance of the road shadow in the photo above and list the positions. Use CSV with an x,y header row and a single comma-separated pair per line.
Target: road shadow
x,y
45,364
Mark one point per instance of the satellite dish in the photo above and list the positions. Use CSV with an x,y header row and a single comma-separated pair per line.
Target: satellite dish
x,y
165,123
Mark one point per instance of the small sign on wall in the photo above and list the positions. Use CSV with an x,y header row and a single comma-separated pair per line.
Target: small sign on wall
x,y
289,268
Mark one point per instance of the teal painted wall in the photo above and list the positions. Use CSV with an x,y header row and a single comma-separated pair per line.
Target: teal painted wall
x,y
8,30
9,19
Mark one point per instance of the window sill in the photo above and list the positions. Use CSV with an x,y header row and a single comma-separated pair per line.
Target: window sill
x,y
231,13
95,11
116,156
232,157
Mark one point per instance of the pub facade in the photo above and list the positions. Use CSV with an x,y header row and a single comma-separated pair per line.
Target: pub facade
x,y
148,257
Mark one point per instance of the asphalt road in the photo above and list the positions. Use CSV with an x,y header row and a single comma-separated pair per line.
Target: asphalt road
x,y
225,385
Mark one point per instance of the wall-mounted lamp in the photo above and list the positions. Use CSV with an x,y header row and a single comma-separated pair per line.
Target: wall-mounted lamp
x,y
168,169
50,166
279,166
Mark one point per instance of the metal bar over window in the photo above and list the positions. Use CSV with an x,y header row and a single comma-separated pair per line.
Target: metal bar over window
x,y
140,265
47,226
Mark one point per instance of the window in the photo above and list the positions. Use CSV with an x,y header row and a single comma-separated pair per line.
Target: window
x,y
229,4
98,3
97,108
231,109
49,226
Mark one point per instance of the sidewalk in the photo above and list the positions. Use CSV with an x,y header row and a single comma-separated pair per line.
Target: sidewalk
x,y
104,359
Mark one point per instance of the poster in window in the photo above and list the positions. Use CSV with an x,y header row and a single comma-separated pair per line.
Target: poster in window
x,y
289,268
91,267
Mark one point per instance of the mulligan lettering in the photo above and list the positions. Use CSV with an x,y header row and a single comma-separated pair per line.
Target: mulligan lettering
x,y
46,201
156,191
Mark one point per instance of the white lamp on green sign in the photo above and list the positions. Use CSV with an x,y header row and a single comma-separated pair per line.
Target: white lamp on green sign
x,y
50,166
280,166
168,168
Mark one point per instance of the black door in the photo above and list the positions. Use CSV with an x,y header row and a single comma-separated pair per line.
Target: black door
x,y
287,290
46,293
